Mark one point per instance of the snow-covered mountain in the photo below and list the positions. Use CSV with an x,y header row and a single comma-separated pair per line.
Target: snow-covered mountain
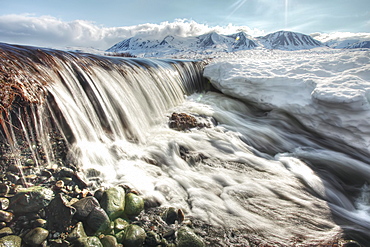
x,y
284,40
170,45
363,44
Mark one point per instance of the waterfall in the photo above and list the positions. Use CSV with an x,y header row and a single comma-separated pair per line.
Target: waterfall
x,y
246,176
88,101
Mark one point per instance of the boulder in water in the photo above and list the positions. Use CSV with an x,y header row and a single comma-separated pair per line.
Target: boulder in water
x,y
187,238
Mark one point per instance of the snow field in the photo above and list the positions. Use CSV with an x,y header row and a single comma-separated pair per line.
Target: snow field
x,y
328,91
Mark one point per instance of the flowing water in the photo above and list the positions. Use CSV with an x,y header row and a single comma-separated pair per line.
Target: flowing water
x,y
251,173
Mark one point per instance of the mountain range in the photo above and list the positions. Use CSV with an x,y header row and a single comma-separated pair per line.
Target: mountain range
x,y
213,42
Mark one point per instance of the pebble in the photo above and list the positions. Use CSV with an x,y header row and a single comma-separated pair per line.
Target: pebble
x,y
6,216
36,236
134,236
4,203
11,240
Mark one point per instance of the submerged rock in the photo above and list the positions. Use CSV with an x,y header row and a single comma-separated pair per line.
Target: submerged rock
x,y
187,238
31,200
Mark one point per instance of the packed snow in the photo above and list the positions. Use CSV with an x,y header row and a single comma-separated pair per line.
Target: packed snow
x,y
327,91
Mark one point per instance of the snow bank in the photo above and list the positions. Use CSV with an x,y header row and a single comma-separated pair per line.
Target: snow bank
x,y
329,92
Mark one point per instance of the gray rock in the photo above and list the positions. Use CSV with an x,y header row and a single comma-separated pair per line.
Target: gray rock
x,y
113,202
98,220
109,241
77,232
134,236
59,214
85,206
187,238
88,242
10,241
36,236
31,200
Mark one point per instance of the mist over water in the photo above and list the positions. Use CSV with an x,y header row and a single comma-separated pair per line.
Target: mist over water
x,y
256,173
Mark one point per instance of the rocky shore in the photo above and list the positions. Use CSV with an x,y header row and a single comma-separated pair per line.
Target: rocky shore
x,y
56,208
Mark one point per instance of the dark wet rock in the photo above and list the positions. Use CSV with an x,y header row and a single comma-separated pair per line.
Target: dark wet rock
x,y
59,214
6,216
170,215
134,204
4,203
98,220
36,236
187,238
4,189
351,243
10,241
182,121
77,232
98,194
109,241
39,223
152,239
85,206
113,202
134,236
88,242
31,200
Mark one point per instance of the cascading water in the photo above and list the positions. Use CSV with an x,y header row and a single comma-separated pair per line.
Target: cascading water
x,y
249,175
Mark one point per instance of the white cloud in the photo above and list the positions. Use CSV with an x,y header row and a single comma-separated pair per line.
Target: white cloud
x,y
51,32
339,36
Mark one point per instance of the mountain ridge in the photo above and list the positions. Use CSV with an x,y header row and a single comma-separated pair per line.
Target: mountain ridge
x,y
211,42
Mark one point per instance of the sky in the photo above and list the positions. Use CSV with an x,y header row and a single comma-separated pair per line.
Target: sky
x,y
101,24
